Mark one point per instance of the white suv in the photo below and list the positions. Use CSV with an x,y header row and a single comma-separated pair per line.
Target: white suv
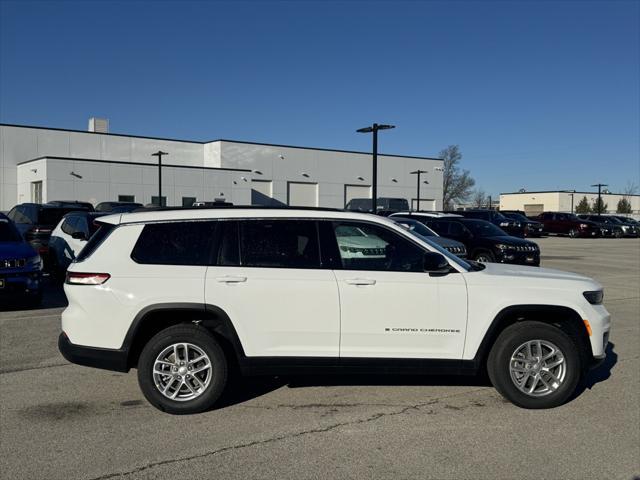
x,y
183,295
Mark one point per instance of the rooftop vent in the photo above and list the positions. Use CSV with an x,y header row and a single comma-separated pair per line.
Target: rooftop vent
x,y
99,125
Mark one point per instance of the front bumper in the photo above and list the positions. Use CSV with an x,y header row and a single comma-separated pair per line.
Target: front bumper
x,y
531,258
104,358
20,283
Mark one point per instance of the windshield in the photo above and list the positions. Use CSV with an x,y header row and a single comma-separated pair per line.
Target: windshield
x,y
8,232
517,216
481,228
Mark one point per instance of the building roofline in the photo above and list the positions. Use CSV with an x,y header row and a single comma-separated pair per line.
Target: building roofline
x,y
142,164
198,142
570,191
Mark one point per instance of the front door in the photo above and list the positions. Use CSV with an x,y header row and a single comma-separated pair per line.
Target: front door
x,y
269,281
390,307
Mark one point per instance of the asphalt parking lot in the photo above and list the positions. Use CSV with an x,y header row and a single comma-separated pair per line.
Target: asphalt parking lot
x,y
65,421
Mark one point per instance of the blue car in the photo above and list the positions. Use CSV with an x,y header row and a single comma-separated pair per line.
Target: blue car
x,y
20,267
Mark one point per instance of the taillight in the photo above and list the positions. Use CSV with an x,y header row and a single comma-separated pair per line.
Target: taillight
x,y
74,278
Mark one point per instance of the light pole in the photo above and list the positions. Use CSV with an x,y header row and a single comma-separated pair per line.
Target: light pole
x,y
600,185
374,179
418,173
159,154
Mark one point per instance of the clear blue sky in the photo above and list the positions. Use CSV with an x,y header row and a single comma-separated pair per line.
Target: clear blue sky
x,y
540,95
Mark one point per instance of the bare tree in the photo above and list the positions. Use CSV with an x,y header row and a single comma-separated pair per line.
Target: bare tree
x,y
480,198
457,183
631,188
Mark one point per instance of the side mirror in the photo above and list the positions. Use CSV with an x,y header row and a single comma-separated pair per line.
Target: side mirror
x,y
79,236
436,264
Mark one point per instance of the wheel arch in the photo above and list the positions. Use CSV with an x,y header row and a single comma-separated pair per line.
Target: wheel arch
x,y
566,318
155,318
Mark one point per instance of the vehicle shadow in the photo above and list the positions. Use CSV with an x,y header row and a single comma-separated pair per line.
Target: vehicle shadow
x,y
601,372
244,389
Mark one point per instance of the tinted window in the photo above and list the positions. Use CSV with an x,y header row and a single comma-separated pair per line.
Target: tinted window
x,y
175,243
8,232
20,214
365,246
95,241
69,225
481,228
229,251
279,244
455,229
51,216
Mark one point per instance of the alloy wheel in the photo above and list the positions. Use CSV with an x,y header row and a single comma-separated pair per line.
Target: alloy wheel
x,y
182,372
538,368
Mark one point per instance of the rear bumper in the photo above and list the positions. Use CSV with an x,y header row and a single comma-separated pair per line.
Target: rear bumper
x,y
104,358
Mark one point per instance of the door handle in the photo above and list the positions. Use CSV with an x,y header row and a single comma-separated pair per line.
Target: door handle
x,y
360,281
231,279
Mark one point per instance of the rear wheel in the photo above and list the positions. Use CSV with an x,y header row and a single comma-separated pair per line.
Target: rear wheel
x,y
573,233
182,370
617,234
534,365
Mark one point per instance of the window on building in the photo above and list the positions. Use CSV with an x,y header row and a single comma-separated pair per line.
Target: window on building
x,y
188,201
154,201
126,198
36,192
175,243
279,244
365,246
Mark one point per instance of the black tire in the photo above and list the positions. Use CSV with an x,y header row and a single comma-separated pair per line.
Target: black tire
x,y
498,363
484,256
573,233
204,340
617,234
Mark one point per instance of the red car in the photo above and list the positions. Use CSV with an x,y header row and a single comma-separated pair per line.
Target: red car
x,y
568,224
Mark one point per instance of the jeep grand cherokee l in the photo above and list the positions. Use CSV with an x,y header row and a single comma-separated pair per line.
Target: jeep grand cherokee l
x,y
182,295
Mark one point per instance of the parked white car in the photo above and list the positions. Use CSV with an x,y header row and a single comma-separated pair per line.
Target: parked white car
x,y
181,294
69,237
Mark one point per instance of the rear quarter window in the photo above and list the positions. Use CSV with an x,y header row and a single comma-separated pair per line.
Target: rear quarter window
x,y
175,243
95,241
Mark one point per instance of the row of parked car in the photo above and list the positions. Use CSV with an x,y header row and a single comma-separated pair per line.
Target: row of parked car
x,y
37,237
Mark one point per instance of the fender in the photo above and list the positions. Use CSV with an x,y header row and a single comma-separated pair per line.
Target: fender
x,y
511,314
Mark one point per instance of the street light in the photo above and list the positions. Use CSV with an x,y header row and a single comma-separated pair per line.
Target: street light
x,y
599,185
159,154
418,173
374,180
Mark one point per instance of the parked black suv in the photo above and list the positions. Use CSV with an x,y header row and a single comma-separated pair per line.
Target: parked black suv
x,y
36,221
609,227
485,242
498,219
531,228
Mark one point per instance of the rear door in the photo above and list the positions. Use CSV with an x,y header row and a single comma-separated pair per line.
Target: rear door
x,y
269,279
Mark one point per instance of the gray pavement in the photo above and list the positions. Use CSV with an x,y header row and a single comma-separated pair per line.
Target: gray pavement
x,y
65,421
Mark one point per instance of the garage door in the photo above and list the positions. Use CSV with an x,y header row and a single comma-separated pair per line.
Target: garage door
x,y
261,192
302,194
426,204
356,191
533,209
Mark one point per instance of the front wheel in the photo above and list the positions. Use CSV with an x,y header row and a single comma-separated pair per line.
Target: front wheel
x,y
182,370
534,365
484,257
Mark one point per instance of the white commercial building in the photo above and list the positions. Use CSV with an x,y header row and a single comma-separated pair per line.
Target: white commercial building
x,y
533,203
43,164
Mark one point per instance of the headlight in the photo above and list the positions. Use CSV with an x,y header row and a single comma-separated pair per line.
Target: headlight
x,y
583,225
518,224
504,224
595,297
501,246
35,262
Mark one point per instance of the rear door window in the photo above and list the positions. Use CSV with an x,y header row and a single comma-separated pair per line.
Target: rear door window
x,y
279,244
175,243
